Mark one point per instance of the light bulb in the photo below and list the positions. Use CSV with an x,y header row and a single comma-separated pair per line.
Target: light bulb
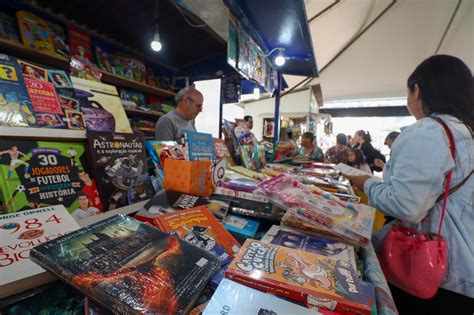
x,y
156,44
256,93
280,60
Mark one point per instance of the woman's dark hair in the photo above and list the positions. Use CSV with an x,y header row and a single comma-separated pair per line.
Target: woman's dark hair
x,y
446,87
341,139
365,135
359,160
392,136
309,135
248,117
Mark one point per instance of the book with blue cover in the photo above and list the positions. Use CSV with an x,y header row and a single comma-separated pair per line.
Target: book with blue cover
x,y
241,227
200,146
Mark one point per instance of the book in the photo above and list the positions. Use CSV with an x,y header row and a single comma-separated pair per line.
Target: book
x,y
246,155
221,152
241,227
79,43
199,227
103,58
36,174
19,233
134,96
167,201
15,104
291,238
129,267
60,43
119,160
248,172
9,27
199,146
233,298
158,151
101,106
302,276
35,32
43,96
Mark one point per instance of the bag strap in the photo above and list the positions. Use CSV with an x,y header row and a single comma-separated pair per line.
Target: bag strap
x,y
452,148
453,189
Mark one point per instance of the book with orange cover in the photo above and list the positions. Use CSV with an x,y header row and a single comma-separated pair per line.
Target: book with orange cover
x,y
302,276
199,227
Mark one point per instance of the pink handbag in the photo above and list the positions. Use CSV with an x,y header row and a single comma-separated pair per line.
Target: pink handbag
x,y
411,260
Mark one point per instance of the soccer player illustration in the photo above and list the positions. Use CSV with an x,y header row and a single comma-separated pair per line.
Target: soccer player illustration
x,y
14,160
72,154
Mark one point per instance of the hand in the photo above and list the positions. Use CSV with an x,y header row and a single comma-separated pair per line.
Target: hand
x,y
358,181
379,163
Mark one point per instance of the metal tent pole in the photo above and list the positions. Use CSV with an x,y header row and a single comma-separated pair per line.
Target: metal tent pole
x,y
276,128
221,109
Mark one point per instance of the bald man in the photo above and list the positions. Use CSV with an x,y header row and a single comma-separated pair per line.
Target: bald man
x,y
171,126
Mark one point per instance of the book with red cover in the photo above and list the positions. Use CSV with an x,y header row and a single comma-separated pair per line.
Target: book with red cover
x,y
302,276
80,44
199,227
221,152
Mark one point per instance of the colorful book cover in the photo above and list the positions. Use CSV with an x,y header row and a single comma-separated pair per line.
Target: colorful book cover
x,y
36,174
241,227
103,58
167,201
199,227
43,96
245,152
129,266
35,32
119,160
199,145
79,43
236,299
134,96
59,39
221,152
290,238
9,27
101,106
159,151
19,233
303,277
15,104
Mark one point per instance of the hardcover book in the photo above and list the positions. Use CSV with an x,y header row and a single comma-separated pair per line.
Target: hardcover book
x,y
199,146
241,227
19,233
159,151
35,32
101,106
119,161
43,96
129,267
9,27
167,201
79,43
303,277
290,238
236,299
15,104
36,174
221,152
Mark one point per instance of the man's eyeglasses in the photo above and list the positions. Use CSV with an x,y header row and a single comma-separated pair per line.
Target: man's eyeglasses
x,y
195,103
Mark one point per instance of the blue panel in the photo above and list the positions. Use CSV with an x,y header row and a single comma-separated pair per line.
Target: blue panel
x,y
279,23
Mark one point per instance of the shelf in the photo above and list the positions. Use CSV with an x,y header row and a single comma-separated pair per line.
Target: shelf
x,y
48,133
56,61
137,112
105,215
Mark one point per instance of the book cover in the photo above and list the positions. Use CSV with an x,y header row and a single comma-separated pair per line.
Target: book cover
x,y
79,43
129,267
35,32
9,27
199,145
134,96
246,155
15,104
59,39
232,298
302,276
221,152
159,151
43,96
199,227
101,106
241,227
36,174
103,58
290,238
119,160
167,201
19,233
197,177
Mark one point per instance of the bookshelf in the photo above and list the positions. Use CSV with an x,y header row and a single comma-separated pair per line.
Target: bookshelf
x,y
56,61
41,133
142,113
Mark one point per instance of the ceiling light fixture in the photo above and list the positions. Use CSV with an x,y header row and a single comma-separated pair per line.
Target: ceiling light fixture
x,y
280,58
256,92
155,43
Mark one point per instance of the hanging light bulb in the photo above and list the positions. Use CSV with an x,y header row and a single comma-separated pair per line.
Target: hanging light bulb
x,y
156,44
256,93
280,58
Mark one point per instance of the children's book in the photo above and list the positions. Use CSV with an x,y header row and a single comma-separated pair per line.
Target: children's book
x,y
246,155
134,96
159,151
221,152
303,277
36,174
15,104
290,238
119,161
241,227
79,43
167,201
35,32
103,58
101,106
199,227
130,267
44,99
199,146
9,27
19,233
59,39
237,299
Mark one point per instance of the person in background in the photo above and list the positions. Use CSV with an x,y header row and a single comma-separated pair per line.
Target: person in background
x,y
294,145
171,126
388,142
340,152
356,160
349,141
309,149
415,176
249,122
363,140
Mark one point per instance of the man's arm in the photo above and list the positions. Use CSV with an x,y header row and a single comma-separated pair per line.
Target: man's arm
x,y
165,129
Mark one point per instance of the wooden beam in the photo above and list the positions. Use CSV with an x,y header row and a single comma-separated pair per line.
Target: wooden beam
x,y
329,7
